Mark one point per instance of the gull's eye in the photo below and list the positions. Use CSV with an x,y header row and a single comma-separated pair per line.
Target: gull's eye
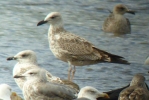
x,y
24,55
31,73
92,92
121,8
53,17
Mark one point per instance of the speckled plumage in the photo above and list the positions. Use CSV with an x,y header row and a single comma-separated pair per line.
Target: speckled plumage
x,y
37,87
73,49
27,60
117,23
137,89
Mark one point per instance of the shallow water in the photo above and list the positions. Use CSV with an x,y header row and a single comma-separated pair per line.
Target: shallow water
x,y
84,18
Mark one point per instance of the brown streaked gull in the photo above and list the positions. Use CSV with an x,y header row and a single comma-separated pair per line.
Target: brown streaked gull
x,y
7,94
36,87
116,22
137,90
27,60
114,94
90,93
74,50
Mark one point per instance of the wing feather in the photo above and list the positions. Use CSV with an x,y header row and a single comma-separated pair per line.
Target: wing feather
x,y
58,90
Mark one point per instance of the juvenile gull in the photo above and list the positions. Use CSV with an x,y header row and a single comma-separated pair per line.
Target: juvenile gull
x,y
27,60
73,49
7,94
37,87
137,89
116,23
90,93
114,94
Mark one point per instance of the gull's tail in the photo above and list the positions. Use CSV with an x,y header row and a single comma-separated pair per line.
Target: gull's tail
x,y
111,58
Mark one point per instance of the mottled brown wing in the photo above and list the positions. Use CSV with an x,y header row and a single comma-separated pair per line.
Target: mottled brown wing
x,y
74,45
134,93
107,22
124,95
139,94
80,49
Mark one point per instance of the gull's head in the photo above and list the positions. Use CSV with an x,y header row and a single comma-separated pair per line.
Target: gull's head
x,y
91,93
53,18
24,57
5,92
122,9
35,73
138,80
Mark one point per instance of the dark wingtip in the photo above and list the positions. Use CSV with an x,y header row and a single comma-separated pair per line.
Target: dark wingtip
x,y
125,62
10,58
41,22
120,61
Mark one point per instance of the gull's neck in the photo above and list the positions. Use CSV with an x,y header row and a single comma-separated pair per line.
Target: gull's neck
x,y
133,83
56,28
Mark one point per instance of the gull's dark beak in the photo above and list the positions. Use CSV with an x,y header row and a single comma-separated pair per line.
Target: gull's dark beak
x,y
131,12
17,76
41,22
11,58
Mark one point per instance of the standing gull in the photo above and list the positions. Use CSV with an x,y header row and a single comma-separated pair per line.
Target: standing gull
x,y
27,60
73,49
137,89
90,93
116,23
37,87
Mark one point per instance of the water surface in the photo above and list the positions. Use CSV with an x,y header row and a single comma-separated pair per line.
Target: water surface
x,y
84,18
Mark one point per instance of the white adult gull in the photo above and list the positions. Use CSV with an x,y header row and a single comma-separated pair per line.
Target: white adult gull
x,y
27,60
7,94
37,87
90,93
74,50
